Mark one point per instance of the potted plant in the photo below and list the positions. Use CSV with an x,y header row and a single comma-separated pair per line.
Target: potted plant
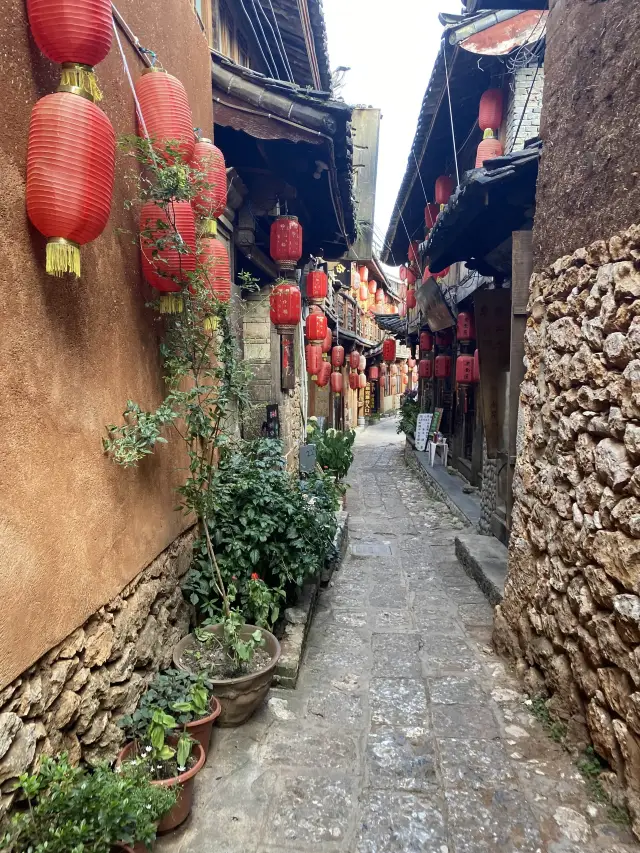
x,y
72,808
172,761
184,696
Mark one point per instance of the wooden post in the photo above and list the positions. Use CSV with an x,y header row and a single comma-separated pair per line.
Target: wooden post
x,y
493,330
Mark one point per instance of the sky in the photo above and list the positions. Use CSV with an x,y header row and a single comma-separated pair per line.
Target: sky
x,y
390,49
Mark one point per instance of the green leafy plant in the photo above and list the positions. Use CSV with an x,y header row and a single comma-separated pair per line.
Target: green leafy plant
x,y
334,449
72,810
164,760
409,411
261,603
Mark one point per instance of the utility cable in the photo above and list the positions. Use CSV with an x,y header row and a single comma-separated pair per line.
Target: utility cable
x,y
255,35
264,38
453,133
283,50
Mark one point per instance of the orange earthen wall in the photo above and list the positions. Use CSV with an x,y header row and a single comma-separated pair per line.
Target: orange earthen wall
x,y
74,527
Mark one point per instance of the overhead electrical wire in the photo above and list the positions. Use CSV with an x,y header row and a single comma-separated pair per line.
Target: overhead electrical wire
x,y
281,47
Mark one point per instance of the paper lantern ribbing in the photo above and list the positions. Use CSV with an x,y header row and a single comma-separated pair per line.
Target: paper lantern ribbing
x,y
337,382
211,199
74,33
362,380
317,287
353,381
373,286
214,260
313,358
316,326
323,374
354,359
286,307
167,114
411,299
168,245
337,356
488,149
70,172
285,242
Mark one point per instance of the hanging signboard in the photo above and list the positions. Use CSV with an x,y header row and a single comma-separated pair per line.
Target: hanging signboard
x,y
433,307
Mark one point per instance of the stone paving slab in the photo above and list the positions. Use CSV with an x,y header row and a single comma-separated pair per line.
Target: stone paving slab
x,y
405,732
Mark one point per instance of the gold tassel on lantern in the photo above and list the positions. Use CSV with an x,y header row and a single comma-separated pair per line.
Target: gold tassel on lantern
x,y
208,228
81,77
63,257
210,323
171,303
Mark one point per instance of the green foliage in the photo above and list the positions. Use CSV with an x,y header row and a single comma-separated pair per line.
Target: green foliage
x,y
182,694
591,766
556,730
262,521
72,810
334,453
260,603
163,760
140,433
238,651
409,411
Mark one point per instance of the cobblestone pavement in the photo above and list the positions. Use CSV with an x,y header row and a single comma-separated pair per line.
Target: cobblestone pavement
x,y
406,734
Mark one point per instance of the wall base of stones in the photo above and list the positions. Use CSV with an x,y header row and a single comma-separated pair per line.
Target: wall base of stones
x,y
70,699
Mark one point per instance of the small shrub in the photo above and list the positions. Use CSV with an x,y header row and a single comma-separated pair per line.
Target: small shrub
x,y
334,449
409,411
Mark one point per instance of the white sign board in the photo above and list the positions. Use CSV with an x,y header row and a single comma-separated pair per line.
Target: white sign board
x,y
422,430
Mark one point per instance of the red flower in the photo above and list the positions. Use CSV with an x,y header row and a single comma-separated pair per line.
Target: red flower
x,y
255,576
234,578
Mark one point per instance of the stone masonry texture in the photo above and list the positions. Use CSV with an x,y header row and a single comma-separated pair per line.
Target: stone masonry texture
x,y
405,733
571,610
71,698
524,107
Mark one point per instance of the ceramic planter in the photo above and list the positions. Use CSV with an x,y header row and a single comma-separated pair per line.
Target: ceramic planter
x,y
180,812
239,697
200,730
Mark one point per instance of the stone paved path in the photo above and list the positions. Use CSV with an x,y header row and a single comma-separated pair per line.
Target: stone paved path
x,y
405,734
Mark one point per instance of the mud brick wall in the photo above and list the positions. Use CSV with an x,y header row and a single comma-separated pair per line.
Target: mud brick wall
x,y
571,610
71,698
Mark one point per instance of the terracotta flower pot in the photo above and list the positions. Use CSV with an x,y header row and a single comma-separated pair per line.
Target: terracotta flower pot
x,y
200,730
239,697
180,812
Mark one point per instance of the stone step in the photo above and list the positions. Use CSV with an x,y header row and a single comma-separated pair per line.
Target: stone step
x,y
484,559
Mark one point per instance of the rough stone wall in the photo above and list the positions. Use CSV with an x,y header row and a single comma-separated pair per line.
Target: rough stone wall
x,y
571,609
488,491
71,698
525,96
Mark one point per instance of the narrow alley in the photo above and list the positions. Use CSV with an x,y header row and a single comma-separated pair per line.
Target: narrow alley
x,y
405,734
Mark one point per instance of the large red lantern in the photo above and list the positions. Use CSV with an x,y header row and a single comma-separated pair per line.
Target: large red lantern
x,y
393,370
317,287
442,366
404,379
313,358
444,338
411,362
425,368
362,380
70,172
374,373
379,296
464,369
337,356
402,309
354,359
444,189
431,212
168,246
286,307
167,115
411,278
411,299
363,272
404,367
337,382
323,374
403,273
488,149
316,326
214,260
211,199
476,366
490,112
363,293
74,33
465,327
285,242
426,341
353,381
373,286
326,343
362,364
389,349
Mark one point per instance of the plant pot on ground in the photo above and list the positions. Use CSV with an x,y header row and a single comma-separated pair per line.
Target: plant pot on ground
x,y
240,685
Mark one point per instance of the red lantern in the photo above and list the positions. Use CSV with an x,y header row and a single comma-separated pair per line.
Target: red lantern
x,y
74,33
379,296
411,299
465,327
167,115
411,278
286,307
362,364
317,287
374,373
389,349
413,253
214,260
411,362
403,273
464,369
363,272
442,366
164,234
404,379
476,366
373,286
336,382
383,368
316,326
323,374
362,380
488,149
402,309
211,199
363,293
353,381
404,367
490,112
313,358
431,212
337,356
285,242
70,171
382,380
444,338
354,359
444,189
426,341
425,368
393,370
440,274
328,340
